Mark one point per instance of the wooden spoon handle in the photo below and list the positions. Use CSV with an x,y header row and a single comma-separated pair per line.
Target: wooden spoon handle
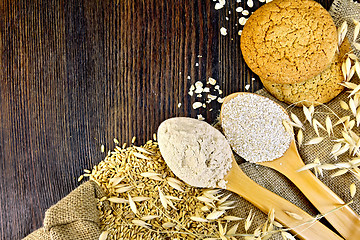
x,y
344,219
266,200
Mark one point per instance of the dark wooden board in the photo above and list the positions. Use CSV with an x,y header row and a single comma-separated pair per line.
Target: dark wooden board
x,y
75,74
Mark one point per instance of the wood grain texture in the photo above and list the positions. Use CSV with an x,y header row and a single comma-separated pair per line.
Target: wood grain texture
x,y
77,73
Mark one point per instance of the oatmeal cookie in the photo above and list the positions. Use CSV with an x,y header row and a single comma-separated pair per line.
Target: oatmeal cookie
x,y
289,41
319,89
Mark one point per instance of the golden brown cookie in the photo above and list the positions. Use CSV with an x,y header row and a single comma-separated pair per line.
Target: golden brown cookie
x,y
289,41
319,89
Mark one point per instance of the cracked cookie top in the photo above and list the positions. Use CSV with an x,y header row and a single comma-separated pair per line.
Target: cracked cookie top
x,y
289,41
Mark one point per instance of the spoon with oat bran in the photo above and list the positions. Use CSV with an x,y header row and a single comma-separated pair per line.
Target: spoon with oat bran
x,y
253,125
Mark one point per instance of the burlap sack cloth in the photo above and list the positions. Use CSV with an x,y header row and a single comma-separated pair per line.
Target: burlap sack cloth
x,y
76,216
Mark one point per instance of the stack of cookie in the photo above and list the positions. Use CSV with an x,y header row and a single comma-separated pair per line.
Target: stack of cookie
x,y
292,45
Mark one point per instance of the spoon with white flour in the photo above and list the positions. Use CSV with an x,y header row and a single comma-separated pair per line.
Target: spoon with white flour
x,y
200,155
253,125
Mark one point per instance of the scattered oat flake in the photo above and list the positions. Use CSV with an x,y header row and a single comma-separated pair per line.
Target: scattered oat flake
x,y
211,97
199,84
200,117
247,86
197,105
220,100
212,81
179,105
80,178
239,9
245,12
250,3
242,20
223,31
102,148
218,6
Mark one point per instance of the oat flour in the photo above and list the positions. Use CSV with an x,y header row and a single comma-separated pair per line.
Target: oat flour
x,y
195,151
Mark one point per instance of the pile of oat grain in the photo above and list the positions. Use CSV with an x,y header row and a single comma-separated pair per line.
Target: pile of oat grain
x,y
145,200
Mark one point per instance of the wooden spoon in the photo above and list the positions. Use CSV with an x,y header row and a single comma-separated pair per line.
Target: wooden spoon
x,y
344,219
238,182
